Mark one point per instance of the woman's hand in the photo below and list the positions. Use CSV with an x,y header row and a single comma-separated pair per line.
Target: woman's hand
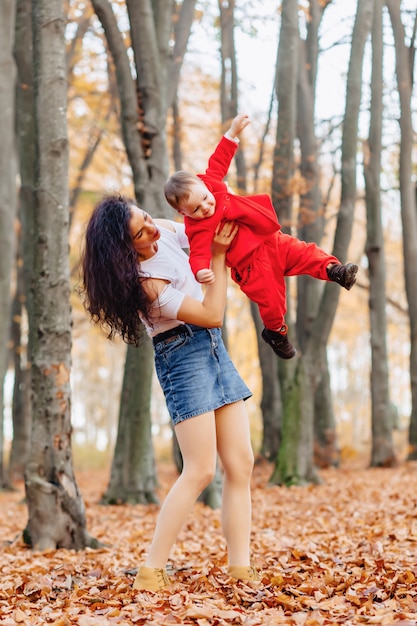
x,y
223,237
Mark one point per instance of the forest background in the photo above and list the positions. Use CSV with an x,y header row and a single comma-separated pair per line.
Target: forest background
x,y
111,97
96,395
97,369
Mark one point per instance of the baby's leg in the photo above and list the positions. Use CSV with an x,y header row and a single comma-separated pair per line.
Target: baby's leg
x,y
263,281
301,257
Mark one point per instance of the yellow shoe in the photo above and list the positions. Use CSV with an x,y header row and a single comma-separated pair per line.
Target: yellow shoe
x,y
151,579
243,573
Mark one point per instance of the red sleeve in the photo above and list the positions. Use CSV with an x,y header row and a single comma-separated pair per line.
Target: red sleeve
x,y
219,162
200,235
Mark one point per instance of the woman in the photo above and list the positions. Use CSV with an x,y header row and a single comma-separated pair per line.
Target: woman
x,y
133,264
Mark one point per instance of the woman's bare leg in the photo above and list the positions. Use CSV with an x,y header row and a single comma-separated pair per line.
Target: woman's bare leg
x,y
235,451
197,441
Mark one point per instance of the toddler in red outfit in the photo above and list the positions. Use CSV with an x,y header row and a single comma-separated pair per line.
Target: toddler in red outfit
x,y
261,255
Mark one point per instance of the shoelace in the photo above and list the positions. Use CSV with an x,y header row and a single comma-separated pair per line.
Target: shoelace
x,y
254,573
163,577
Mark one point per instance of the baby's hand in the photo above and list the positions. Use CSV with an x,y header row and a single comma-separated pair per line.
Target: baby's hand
x,y
205,276
239,123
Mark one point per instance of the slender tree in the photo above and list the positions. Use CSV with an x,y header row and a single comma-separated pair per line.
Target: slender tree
x,y
7,195
23,302
21,404
271,401
310,226
404,70
283,174
134,437
383,453
183,18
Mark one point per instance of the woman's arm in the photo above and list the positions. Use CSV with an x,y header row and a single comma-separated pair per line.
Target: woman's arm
x,y
210,312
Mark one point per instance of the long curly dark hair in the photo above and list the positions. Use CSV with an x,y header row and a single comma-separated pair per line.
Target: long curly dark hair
x,y
111,287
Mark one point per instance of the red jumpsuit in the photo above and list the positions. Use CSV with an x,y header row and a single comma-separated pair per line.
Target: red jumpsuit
x,y
260,255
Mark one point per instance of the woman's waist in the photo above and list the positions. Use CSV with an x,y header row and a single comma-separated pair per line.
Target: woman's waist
x,y
176,331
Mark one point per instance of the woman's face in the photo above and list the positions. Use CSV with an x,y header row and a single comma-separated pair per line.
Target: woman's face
x,y
144,232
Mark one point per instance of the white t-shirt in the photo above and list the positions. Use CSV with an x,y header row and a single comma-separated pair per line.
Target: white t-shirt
x,y
170,263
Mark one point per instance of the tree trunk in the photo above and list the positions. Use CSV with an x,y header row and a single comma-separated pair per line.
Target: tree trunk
x,y
127,93
301,379
144,112
283,173
25,124
311,226
408,203
133,475
83,24
310,218
326,449
21,406
228,76
271,405
183,21
56,509
294,464
151,30
7,195
383,453
286,90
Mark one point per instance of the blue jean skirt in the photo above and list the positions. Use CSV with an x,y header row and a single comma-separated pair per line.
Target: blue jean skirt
x,y
195,372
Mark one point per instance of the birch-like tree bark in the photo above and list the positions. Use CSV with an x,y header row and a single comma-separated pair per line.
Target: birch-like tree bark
x,y
294,430
25,126
310,228
7,195
383,453
404,69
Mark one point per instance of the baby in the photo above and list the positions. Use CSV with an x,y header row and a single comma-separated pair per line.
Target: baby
x,y
261,255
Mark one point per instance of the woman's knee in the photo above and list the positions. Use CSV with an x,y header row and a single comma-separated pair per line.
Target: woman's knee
x,y
200,476
239,466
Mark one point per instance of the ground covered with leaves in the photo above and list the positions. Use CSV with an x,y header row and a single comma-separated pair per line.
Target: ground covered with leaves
x,y
342,552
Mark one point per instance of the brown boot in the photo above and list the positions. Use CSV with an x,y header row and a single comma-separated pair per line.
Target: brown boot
x,y
151,579
243,573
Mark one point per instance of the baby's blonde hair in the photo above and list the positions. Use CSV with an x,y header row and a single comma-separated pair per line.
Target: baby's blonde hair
x,y
177,188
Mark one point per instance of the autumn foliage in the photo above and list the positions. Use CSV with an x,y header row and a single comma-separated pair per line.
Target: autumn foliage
x,y
342,552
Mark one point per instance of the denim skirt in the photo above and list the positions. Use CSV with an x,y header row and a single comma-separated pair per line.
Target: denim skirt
x,y
196,373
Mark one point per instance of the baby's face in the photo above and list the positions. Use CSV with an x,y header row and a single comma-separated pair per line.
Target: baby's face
x,y
200,204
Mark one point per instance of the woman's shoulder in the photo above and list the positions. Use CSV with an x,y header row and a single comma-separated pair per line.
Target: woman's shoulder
x,y
167,224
